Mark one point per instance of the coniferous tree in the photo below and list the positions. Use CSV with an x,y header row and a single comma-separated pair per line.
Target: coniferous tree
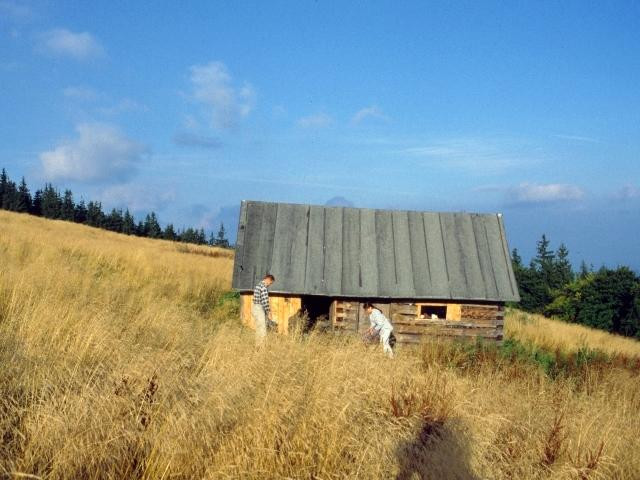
x,y
80,212
51,202
95,215
128,223
114,221
67,211
563,274
221,239
169,233
36,205
23,198
152,228
140,229
4,179
22,201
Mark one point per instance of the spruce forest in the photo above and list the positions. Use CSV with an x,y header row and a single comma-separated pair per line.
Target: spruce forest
x,y
607,299
49,203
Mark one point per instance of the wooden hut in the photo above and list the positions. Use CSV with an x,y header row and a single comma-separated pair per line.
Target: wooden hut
x,y
430,273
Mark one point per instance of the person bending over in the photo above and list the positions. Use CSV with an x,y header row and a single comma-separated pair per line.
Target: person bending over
x,y
380,325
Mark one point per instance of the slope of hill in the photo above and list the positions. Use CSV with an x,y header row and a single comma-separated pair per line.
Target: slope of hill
x,y
122,358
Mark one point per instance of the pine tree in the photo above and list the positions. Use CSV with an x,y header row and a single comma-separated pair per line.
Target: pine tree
x,y
128,223
23,198
152,227
80,212
36,205
51,202
114,221
67,211
221,239
169,233
563,273
95,215
4,179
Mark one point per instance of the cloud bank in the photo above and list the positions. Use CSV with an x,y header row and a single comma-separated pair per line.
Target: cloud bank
x,y
100,153
65,43
529,193
319,120
372,113
214,88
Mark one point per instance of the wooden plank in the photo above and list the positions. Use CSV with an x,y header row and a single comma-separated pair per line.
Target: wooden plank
x,y
508,262
404,308
408,338
240,279
501,269
453,256
470,262
437,260
368,254
351,275
484,256
333,250
419,256
290,251
402,252
454,311
314,279
387,279
246,301
266,236
255,250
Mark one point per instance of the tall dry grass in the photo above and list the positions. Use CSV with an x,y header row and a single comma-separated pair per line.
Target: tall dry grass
x,y
122,358
568,337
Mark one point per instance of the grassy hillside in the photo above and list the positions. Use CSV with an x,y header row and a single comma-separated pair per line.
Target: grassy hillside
x,y
123,358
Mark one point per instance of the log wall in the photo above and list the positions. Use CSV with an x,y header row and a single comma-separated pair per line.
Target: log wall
x,y
462,319
282,307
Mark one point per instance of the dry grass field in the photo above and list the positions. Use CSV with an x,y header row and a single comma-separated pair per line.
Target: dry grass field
x,y
123,358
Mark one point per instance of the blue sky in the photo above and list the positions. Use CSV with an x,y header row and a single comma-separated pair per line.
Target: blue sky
x,y
531,109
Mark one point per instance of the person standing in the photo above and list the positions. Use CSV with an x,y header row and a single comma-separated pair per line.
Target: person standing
x,y
380,325
260,310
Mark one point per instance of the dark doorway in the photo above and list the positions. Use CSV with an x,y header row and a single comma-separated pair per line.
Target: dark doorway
x,y
317,309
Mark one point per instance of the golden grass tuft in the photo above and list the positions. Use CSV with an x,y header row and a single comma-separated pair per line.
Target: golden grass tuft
x,y
122,358
555,335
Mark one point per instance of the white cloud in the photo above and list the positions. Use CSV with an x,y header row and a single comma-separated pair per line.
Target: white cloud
x,y
578,138
100,153
213,87
319,120
477,155
371,112
85,94
64,43
544,193
137,198
123,106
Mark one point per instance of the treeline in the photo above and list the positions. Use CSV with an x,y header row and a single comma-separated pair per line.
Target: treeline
x,y
608,299
49,203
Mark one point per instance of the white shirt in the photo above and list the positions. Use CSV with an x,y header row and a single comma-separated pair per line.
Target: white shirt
x,y
379,322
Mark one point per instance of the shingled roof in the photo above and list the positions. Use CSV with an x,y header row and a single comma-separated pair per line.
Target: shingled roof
x,y
356,252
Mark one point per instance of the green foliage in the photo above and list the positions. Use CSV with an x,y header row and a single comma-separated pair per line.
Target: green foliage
x,y
606,299
471,356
